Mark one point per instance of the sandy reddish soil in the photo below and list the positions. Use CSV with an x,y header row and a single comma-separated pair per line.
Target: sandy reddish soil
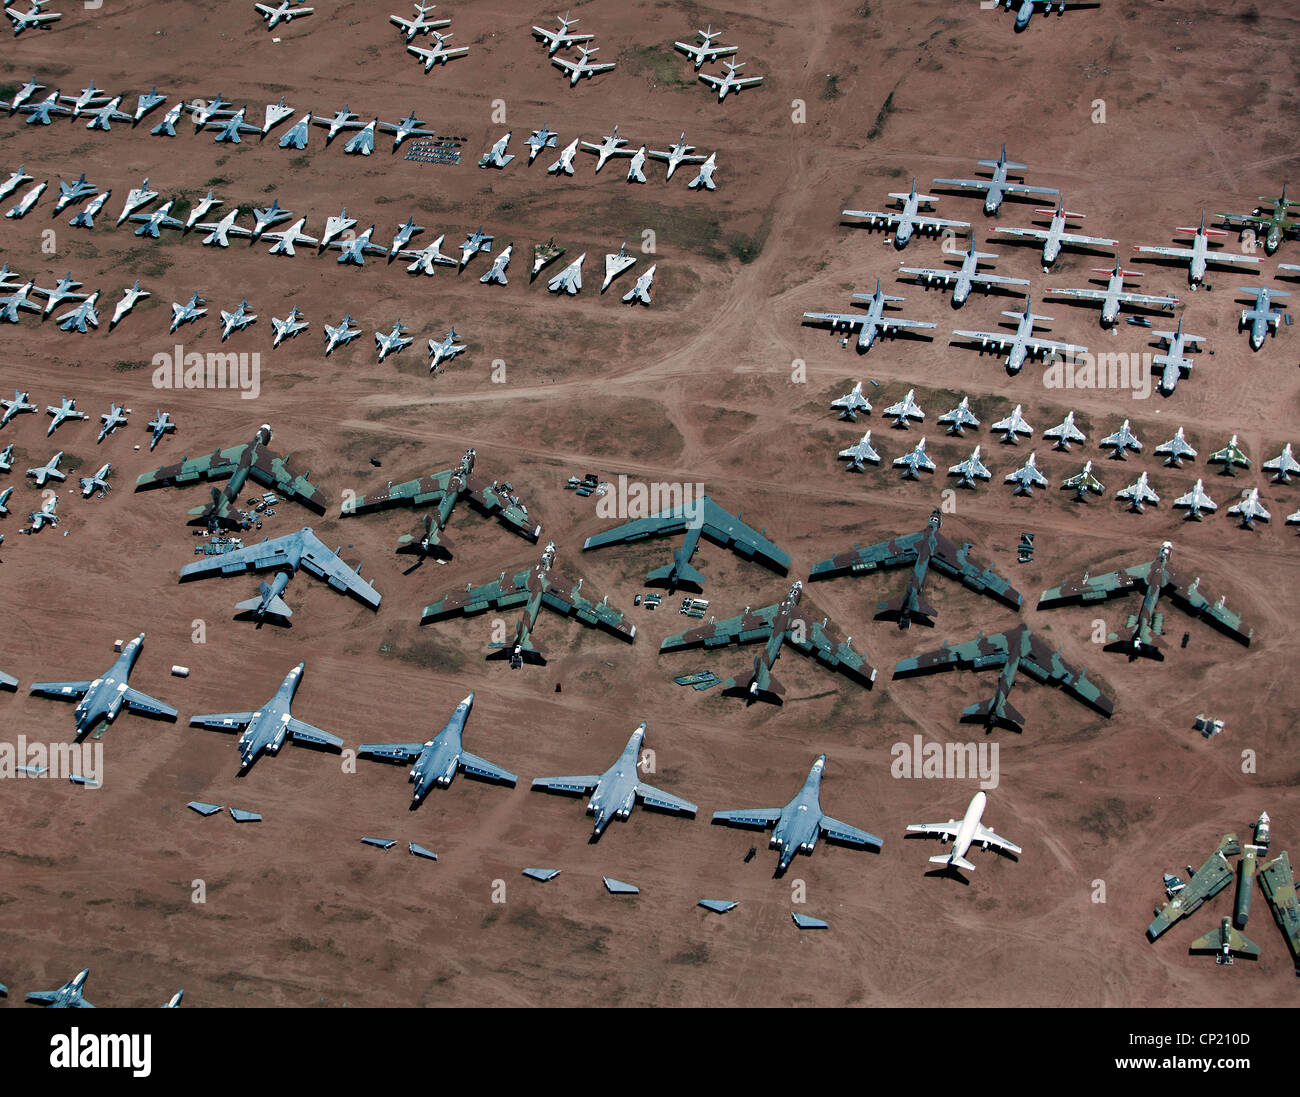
x,y
695,388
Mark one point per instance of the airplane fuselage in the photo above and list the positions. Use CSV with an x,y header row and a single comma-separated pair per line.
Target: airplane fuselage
x,y
103,700
269,727
615,793
799,826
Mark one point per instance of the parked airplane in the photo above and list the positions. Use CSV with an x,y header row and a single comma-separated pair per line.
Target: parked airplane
x,y
162,423
610,145
237,320
1013,425
219,232
705,50
1083,482
362,143
438,53
187,313
67,996
355,250
21,96
45,516
111,420
914,462
410,126
1272,215
1230,457
201,209
391,342
167,127
905,409
875,321
1260,318
680,153
705,176
1196,501
967,276
1175,449
640,292
6,464
73,192
275,113
1199,256
289,327
1173,362
1027,477
1121,442
858,453
729,82
636,167
34,17
540,139
16,406
969,470
1056,236
161,218
64,290
14,180
475,242
341,120
340,335
335,227
1115,295
1064,433
964,833
1138,494
1225,942
1282,466
25,204
1026,8
287,240
96,481
1023,344
48,471
229,129
444,350
565,162
999,184
583,66
41,113
1249,509
907,219
560,38
65,410
569,280
19,299
959,418
284,12
137,198
419,24
497,272
851,403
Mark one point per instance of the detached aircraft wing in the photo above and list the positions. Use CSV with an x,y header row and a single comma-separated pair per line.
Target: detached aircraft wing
x,y
576,785
886,554
481,767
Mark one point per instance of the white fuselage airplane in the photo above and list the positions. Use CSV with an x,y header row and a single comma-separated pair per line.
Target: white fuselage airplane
x,y
1055,236
964,278
730,82
964,834
907,219
420,24
998,186
1174,363
705,50
875,321
560,38
1023,343
1199,255
1114,295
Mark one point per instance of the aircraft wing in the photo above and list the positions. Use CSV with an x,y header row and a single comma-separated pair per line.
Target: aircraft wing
x,y
941,830
1173,253
886,323
657,798
60,689
568,784
1081,294
744,628
390,752
222,721
998,338
142,702
939,222
567,65
422,491
753,817
1097,587
848,319
1147,299
957,563
1022,188
303,732
218,465
1026,234
1190,598
886,554
988,838
1045,664
983,651
1079,238
481,767
974,184
842,832
814,638
564,594
714,81
504,592
1040,346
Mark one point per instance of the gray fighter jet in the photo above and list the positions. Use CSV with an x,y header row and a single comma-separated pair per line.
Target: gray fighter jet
x,y
159,425
15,406
639,294
129,298
49,470
569,280
66,409
111,420
340,335
67,996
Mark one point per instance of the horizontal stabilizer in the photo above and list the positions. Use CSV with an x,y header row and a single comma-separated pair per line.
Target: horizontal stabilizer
x,y
952,860
986,711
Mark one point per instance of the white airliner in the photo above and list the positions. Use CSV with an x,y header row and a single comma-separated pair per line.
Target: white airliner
x,y
963,834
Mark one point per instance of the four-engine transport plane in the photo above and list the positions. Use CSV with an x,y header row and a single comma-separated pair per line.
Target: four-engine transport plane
x,y
1198,256
237,464
1272,216
583,66
963,833
907,218
704,50
775,626
67,996
419,23
729,82
33,17
266,729
1013,651
1153,579
284,12
923,550
437,759
615,792
561,38
1115,295
875,321
968,275
697,517
798,825
1259,319
999,184
1023,344
1025,8
103,697
532,589
1055,236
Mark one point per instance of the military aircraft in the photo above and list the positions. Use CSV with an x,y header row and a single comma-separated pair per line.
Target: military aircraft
x,y
697,517
1225,942
237,464
444,350
636,167
267,603
1064,433
45,516
705,50
28,200
1023,344
1230,457
146,102
19,299
96,482
286,240
362,143
439,53
219,232
1173,362
355,250
610,145
1196,501
129,298
1055,236
969,470
1282,466
1260,318
174,1001
560,38
858,453
680,153
1013,651
438,759
111,420
565,162
267,729
729,82
496,156
30,88
237,320
1026,8
914,462
1199,256
187,313
82,317
419,24
403,237
407,127
340,335
1175,450
64,290
775,626
497,272
103,697
4,495
264,219
12,183
923,550
159,425
289,553
275,113
33,17
583,66
1083,482
229,129
1013,425
1115,295
798,825
569,280
1027,477
41,113
905,409
167,127
616,791
875,321
65,410
202,111
73,192
48,471
1272,216
907,219
1138,494
334,228
67,996
1121,442
1154,579
999,184
475,242
289,327
391,342
7,458
851,403
337,123
284,12
615,264
963,833
704,178
296,136
640,292
428,257
964,278
1249,509
161,218
540,139
1205,883
136,198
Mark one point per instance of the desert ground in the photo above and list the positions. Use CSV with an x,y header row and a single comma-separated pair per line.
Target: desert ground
x,y
718,383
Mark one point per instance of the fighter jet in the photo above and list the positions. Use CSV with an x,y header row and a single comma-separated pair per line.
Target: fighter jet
x,y
46,516
728,82
1013,425
267,729
1114,295
129,298
1282,466
438,53
267,604
237,320
963,279
96,482
1196,501
65,410
73,192
583,66
914,462
427,258
1013,651
289,327
336,124
7,458
561,38
905,409
219,232
275,114
496,156
959,418
103,697
1230,457
907,219
251,460
999,183
679,153
202,111
229,129
444,350
25,204
111,420
82,317
340,335
532,589
704,50
362,143
1121,442
1064,433
695,517
284,12
391,342
1225,942
4,495
1272,216
167,127
1027,477
1138,494
615,264
16,406
30,88
704,178
1083,482
335,227
799,824
775,626
296,136
497,272
569,280
419,24
187,313
1260,318
636,167
1154,579
410,126
1175,450
616,791
475,242
403,237
19,299
48,471
963,833
640,292
161,218
875,321
41,113
1174,363
969,470
540,139
14,180
438,759
146,102
67,996
610,145
1199,255
162,423
1055,236
137,198
1249,509
565,162
1023,344
355,250
858,453
286,240
64,290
